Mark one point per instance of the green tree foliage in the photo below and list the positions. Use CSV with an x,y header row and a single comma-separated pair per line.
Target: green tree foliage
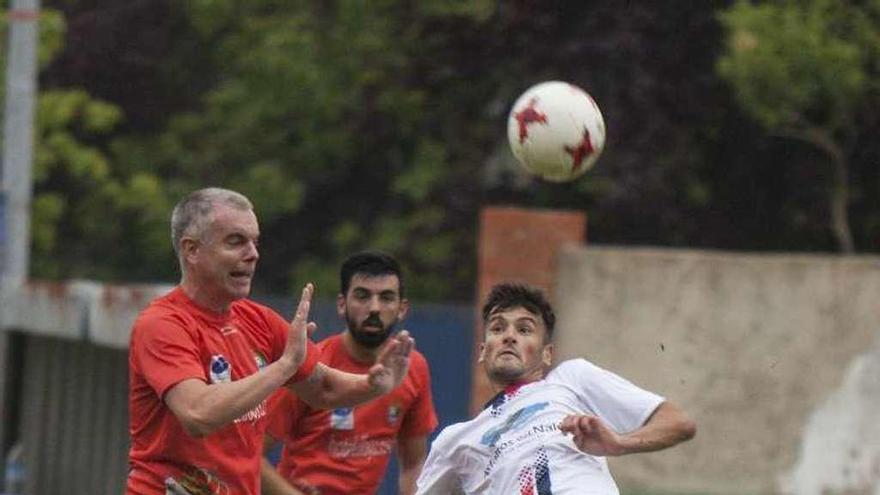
x,y
382,125
80,200
316,117
805,69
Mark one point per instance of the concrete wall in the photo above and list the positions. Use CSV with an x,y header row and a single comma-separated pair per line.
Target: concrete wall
x,y
775,356
78,309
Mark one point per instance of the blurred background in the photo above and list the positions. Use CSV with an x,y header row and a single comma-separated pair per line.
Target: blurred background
x,y
735,127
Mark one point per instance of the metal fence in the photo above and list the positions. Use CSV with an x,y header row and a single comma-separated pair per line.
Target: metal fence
x,y
74,417
70,398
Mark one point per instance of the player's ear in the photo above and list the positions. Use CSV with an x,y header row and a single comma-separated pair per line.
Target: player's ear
x,y
404,309
482,352
340,306
547,355
189,248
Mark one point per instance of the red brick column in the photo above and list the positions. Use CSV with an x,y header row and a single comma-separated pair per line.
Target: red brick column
x,y
518,245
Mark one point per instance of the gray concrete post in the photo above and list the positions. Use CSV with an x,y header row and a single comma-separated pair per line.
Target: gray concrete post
x,y
15,175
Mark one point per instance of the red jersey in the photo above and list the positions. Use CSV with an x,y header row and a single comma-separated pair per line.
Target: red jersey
x,y
346,450
173,340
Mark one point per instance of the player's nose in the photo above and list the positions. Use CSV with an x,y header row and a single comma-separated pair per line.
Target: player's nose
x,y
373,305
252,252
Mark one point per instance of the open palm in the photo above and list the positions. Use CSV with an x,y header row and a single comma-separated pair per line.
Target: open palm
x,y
392,363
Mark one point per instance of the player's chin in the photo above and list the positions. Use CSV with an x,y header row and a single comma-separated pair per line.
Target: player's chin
x,y
239,288
505,372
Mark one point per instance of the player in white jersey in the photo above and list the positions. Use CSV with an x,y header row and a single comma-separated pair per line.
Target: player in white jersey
x,y
545,433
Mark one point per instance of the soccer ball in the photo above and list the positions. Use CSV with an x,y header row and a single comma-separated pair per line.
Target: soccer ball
x,y
556,131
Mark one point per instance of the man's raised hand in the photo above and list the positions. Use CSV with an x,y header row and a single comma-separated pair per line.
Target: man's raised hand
x,y
392,363
300,329
592,435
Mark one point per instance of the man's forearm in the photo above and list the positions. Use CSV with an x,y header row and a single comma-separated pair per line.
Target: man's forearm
x,y
407,481
668,426
204,408
330,388
411,454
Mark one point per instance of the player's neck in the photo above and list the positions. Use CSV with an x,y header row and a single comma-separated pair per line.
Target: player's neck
x,y
530,376
358,352
510,385
203,298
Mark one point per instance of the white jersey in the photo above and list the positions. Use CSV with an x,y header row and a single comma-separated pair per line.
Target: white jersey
x,y
514,446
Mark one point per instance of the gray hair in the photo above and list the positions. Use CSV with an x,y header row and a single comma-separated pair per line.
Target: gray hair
x,y
193,214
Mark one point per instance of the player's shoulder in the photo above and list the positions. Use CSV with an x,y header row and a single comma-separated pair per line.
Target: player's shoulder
x,y
576,366
165,310
452,434
418,366
330,344
259,318
416,358
170,302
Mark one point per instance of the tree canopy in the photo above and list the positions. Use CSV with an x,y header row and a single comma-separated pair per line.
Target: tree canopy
x,y
382,125
804,70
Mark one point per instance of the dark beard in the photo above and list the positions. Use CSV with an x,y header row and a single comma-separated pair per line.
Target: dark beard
x,y
369,339
505,376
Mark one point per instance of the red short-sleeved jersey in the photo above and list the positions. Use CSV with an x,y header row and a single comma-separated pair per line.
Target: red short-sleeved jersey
x,y
346,451
173,340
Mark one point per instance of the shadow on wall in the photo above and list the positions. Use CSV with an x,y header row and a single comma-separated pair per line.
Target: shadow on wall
x,y
840,452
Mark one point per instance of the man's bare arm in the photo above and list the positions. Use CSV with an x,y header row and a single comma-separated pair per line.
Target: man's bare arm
x,y
203,408
411,453
328,387
667,426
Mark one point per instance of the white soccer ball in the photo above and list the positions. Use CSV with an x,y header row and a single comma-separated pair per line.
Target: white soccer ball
x,y
556,131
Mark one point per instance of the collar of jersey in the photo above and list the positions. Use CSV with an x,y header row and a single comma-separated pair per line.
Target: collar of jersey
x,y
502,396
205,313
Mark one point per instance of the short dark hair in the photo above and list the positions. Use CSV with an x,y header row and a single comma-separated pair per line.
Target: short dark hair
x,y
510,295
371,264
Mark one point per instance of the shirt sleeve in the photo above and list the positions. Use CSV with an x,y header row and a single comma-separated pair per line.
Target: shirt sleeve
x,y
421,419
617,401
438,476
165,353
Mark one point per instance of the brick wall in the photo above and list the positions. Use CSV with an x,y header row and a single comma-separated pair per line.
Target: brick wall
x,y
520,245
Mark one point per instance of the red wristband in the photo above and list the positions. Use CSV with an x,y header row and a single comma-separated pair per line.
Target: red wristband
x,y
308,365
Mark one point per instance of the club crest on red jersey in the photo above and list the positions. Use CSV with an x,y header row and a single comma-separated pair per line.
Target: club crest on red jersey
x,y
221,369
393,413
342,418
260,359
